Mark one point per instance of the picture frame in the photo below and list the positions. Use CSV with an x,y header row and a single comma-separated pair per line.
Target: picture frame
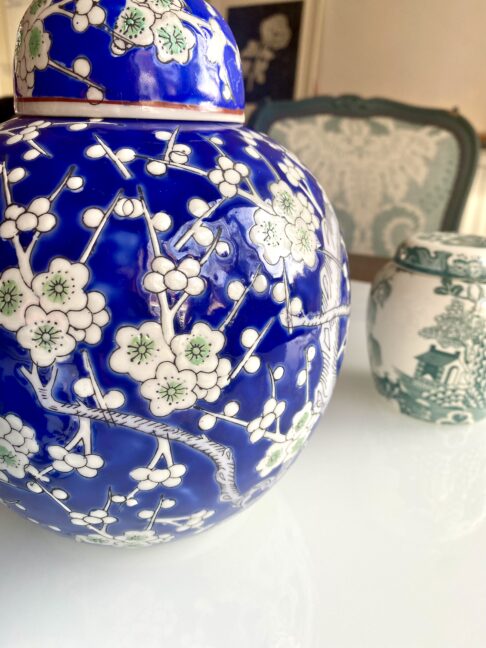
x,y
246,17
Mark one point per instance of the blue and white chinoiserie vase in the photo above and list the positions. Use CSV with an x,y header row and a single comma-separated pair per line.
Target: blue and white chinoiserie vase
x,y
174,293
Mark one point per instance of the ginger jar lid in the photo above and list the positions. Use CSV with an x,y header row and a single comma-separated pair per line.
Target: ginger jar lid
x,y
145,59
447,254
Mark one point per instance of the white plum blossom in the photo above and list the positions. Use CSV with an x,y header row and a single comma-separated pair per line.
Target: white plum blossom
x,y
304,242
86,325
273,459
228,176
150,478
268,233
61,288
28,133
17,445
277,454
195,521
287,229
307,212
85,388
250,137
170,389
133,28
140,351
46,336
179,154
303,423
114,399
133,539
15,298
293,173
163,135
272,410
166,275
36,217
60,293
86,465
96,539
173,41
129,208
156,168
198,351
154,22
284,201
8,230
93,518
210,385
33,48
38,476
86,13
160,7
294,309
162,221
15,175
35,9
141,539
164,504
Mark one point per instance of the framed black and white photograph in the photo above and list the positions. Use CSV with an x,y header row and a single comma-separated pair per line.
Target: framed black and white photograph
x,y
278,41
268,37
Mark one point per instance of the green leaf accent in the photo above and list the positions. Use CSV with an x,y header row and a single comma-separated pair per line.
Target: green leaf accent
x,y
36,6
7,457
141,348
10,297
35,42
197,351
173,391
172,39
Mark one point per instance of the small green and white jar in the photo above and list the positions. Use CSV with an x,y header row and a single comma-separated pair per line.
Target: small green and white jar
x,y
427,328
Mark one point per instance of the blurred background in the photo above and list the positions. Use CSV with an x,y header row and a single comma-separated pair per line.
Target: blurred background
x,y
388,168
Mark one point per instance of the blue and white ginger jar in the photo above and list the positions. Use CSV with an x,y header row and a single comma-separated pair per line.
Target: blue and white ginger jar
x,y
174,291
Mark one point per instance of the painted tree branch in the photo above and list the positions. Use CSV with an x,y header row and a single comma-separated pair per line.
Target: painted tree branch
x,y
321,319
221,456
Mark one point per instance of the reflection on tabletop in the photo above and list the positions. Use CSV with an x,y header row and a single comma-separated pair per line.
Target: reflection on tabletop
x,y
254,569
381,514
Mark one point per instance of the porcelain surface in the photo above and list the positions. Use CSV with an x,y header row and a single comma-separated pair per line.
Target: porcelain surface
x,y
427,328
161,59
173,313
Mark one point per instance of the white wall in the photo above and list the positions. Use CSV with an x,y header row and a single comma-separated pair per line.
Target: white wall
x,y
428,52
11,12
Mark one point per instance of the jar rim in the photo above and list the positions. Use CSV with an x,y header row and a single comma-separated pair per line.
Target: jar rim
x,y
445,254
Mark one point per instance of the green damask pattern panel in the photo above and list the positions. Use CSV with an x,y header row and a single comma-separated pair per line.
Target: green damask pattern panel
x,y
386,178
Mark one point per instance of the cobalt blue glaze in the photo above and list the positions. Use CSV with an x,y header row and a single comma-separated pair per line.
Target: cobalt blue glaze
x,y
174,300
162,54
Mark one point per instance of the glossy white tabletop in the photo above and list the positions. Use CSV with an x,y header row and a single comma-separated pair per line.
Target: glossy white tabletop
x,y
376,538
